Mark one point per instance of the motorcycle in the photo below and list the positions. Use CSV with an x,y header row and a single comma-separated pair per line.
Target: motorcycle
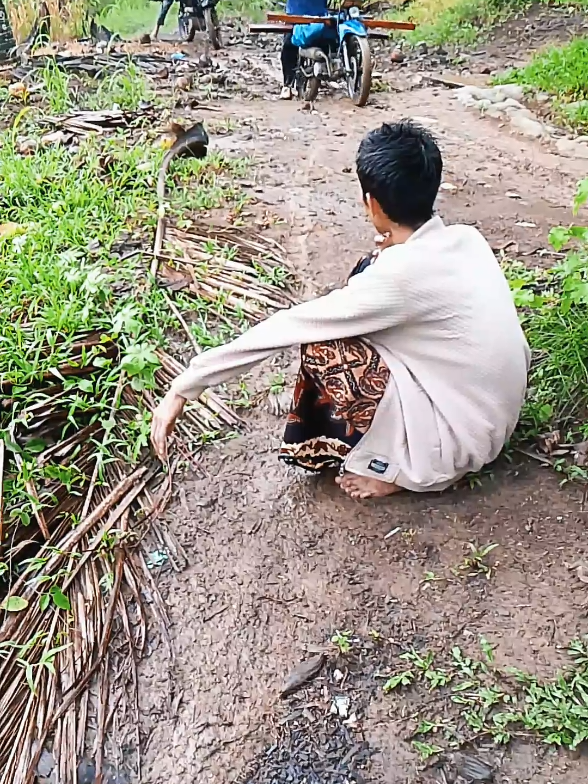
x,y
199,16
335,50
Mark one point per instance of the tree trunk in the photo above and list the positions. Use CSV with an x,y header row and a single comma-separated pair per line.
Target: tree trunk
x,y
6,36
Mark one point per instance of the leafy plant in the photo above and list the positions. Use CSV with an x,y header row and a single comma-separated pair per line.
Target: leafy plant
x,y
559,71
553,305
476,561
342,640
501,704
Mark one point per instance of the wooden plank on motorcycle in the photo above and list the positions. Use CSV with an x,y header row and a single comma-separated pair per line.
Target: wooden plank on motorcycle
x,y
271,27
383,24
295,19
387,24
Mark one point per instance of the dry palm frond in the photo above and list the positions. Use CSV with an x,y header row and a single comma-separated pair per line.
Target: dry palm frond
x,y
81,501
79,566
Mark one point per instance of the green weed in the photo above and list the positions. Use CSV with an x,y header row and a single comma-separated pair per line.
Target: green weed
x,y
495,703
553,304
342,640
457,21
560,71
463,21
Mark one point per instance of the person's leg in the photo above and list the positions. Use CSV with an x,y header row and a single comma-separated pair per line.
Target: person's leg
x,y
289,65
165,6
339,387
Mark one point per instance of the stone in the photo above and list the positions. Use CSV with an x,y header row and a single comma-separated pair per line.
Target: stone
x,y
514,91
572,148
527,126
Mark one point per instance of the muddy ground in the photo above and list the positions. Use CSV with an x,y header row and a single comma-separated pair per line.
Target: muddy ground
x,y
279,560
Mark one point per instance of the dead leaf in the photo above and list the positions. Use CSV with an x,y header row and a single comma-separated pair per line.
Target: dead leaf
x,y
549,441
302,674
174,279
18,90
10,229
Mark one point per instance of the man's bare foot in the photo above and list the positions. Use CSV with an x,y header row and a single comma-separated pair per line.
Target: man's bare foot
x,y
362,487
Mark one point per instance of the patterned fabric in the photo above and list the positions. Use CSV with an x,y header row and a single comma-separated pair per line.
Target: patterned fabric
x,y
339,386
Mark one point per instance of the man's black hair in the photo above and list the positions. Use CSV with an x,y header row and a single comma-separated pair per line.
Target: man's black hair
x,y
399,165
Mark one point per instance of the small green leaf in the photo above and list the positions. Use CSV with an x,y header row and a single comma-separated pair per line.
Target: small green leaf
x,y
60,599
44,602
15,604
559,236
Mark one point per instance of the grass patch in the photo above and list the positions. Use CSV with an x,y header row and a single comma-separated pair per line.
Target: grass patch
x,y
87,344
457,21
485,701
463,21
562,72
554,311
67,19
134,17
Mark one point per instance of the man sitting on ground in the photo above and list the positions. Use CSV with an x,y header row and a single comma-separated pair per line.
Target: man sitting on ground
x,y
414,372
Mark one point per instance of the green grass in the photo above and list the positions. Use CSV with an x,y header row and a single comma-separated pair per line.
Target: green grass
x,y
131,18
484,701
562,72
61,275
554,311
462,21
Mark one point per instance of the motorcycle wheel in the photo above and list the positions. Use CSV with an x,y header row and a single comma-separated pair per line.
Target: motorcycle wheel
x,y
307,87
359,81
212,27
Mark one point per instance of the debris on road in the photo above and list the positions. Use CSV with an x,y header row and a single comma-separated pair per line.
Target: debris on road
x,y
303,674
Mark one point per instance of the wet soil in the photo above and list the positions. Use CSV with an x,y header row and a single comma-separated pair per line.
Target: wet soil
x,y
279,560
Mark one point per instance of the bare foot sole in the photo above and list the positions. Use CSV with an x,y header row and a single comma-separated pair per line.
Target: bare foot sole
x,y
362,487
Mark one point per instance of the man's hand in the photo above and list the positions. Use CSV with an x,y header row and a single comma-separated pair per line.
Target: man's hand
x,y
164,420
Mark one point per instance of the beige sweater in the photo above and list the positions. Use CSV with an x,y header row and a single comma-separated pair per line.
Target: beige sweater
x,y
439,311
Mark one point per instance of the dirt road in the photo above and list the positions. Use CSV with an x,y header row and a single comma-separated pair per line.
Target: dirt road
x,y
279,561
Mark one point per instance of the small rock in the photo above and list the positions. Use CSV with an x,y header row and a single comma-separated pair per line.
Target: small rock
x,y
18,90
145,39
527,126
448,186
422,47
183,83
338,676
514,91
54,139
340,706
397,55
28,146
572,148
46,765
474,770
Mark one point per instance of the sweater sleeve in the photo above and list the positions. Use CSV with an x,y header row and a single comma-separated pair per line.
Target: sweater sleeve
x,y
370,302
